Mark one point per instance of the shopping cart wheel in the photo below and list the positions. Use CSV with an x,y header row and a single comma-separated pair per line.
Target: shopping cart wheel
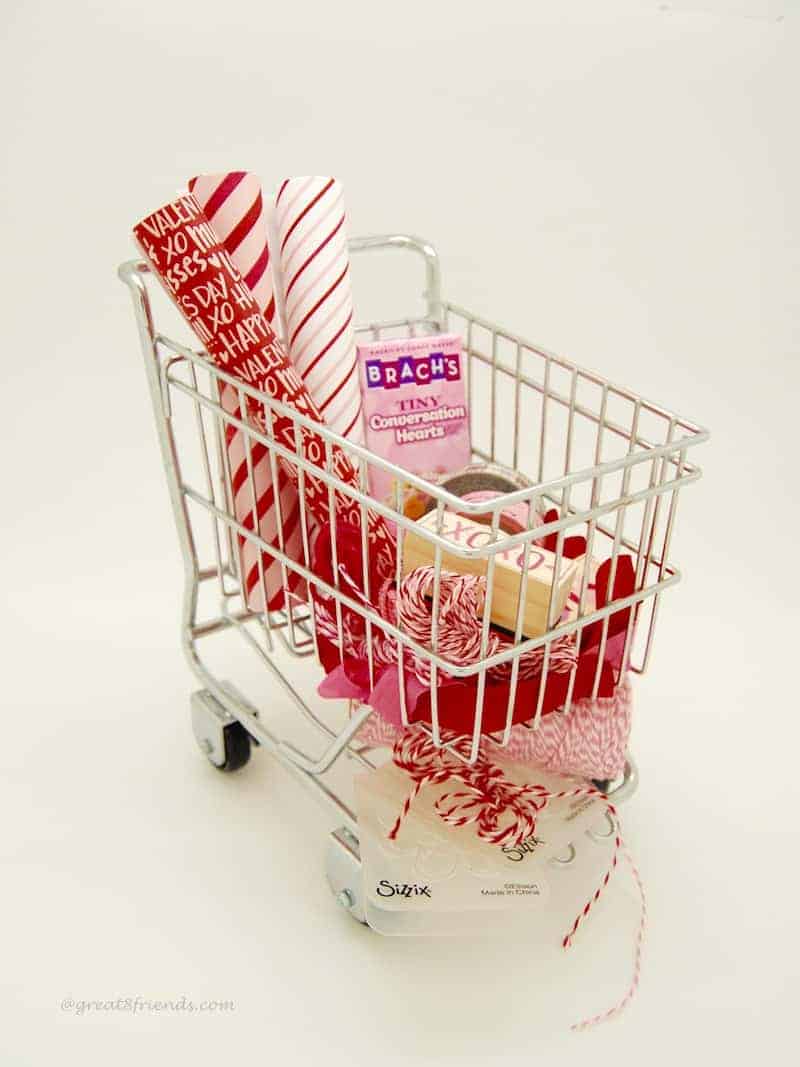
x,y
237,748
623,787
222,738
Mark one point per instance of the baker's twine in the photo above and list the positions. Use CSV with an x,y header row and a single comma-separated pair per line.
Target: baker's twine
x,y
504,813
459,629
589,742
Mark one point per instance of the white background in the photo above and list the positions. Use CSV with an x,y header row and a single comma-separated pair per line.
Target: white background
x,y
617,180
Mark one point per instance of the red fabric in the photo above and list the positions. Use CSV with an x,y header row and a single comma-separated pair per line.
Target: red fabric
x,y
457,696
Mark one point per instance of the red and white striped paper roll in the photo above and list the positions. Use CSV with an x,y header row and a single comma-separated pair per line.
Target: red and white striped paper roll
x,y
265,511
187,256
318,305
234,207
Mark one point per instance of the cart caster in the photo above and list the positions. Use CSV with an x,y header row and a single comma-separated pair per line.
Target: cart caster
x,y
623,787
237,747
343,868
222,738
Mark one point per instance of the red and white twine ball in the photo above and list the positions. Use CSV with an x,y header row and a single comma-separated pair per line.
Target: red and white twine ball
x,y
459,631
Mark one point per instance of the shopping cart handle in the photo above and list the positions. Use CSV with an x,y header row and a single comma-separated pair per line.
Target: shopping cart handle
x,y
407,241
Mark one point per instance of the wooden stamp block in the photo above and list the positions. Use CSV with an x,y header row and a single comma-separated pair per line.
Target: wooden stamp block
x,y
464,533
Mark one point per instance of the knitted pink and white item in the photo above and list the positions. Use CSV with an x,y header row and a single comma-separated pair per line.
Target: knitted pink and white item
x,y
591,741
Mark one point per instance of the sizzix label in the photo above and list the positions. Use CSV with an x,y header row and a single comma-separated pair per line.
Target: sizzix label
x,y
385,888
516,853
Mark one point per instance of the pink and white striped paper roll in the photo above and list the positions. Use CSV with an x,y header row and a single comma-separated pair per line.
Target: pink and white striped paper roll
x,y
318,305
234,206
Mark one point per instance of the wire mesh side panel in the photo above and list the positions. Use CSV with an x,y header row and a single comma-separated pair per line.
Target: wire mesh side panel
x,y
622,504
605,465
609,463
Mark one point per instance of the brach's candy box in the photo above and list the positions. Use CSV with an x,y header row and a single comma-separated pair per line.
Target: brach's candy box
x,y
415,407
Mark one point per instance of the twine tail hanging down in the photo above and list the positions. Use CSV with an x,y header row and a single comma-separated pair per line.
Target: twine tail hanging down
x,y
505,813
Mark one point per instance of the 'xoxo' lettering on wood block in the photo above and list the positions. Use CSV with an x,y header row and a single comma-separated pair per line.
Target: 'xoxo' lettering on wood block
x,y
540,578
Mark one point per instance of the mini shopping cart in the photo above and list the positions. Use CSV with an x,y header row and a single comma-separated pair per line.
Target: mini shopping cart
x,y
604,463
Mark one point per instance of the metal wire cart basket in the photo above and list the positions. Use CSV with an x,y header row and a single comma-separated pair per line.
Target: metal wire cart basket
x,y
604,464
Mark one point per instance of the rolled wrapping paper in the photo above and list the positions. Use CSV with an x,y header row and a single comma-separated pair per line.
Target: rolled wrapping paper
x,y
254,505
318,305
234,207
199,274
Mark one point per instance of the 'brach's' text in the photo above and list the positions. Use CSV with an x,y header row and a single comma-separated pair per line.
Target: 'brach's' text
x,y
410,370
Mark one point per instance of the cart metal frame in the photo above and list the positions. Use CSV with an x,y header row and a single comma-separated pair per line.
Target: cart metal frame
x,y
626,498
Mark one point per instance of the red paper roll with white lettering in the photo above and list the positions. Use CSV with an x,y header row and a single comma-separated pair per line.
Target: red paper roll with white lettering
x,y
199,274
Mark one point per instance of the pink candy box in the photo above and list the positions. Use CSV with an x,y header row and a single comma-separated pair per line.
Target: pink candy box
x,y
415,407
